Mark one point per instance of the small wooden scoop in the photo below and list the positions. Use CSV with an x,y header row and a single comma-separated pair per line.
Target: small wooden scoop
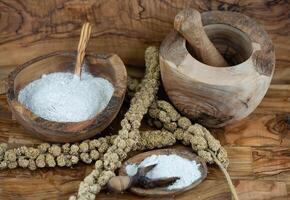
x,y
160,190
188,23
119,184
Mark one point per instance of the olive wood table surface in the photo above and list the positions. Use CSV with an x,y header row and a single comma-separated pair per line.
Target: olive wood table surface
x,y
258,146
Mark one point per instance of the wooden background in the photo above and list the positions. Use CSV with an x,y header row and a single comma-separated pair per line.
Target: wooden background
x,y
259,146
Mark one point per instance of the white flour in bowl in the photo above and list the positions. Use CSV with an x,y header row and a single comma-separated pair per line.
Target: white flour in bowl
x,y
63,97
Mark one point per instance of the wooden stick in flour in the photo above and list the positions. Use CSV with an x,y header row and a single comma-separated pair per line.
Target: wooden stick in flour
x,y
84,38
188,23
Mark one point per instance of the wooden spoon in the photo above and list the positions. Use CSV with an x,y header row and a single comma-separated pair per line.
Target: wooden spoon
x,y
119,184
188,23
84,38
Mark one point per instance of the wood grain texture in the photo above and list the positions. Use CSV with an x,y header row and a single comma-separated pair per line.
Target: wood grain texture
x,y
32,28
278,190
268,130
29,29
266,169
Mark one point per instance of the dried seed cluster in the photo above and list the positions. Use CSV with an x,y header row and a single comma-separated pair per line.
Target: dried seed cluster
x,y
133,85
66,155
164,115
51,155
156,139
128,136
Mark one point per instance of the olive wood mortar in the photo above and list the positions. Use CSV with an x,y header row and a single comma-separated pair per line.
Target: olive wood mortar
x,y
159,192
108,66
217,96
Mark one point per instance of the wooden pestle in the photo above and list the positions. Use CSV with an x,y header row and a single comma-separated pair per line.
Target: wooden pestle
x,y
84,38
188,23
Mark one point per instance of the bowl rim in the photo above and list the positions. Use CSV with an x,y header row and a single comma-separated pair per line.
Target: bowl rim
x,y
262,45
119,88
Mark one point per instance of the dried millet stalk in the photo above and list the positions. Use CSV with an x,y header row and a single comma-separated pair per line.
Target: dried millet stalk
x,y
200,139
128,136
164,116
66,155
133,85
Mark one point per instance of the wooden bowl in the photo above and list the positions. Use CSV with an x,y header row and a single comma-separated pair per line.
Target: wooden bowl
x,y
217,96
108,66
158,192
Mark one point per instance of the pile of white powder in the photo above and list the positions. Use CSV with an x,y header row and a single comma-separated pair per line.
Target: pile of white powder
x,y
64,97
169,166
